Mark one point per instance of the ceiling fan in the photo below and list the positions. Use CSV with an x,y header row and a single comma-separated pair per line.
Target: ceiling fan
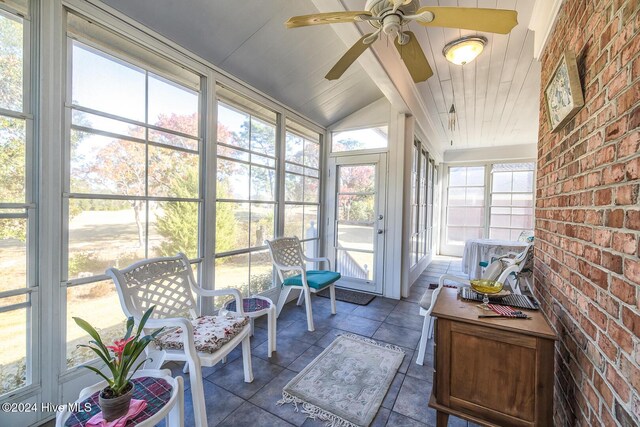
x,y
390,16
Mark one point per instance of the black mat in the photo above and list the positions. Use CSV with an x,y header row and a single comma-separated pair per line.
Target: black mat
x,y
353,297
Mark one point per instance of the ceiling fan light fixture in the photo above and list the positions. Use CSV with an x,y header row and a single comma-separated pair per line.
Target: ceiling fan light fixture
x,y
464,50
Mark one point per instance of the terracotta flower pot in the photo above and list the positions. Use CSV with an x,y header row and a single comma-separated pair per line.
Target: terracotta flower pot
x,y
114,407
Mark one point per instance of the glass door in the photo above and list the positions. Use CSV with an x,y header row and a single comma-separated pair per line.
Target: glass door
x,y
358,220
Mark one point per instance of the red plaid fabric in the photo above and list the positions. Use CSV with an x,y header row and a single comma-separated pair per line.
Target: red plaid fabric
x,y
503,310
155,391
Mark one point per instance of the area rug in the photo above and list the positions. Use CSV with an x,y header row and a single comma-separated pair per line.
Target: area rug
x,y
353,297
346,383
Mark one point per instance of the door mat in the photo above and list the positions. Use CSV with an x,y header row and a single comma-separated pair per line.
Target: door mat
x,y
345,295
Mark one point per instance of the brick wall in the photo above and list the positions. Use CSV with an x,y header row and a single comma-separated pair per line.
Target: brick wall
x,y
587,268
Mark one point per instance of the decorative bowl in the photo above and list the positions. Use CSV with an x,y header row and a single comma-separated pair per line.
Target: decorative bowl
x,y
484,286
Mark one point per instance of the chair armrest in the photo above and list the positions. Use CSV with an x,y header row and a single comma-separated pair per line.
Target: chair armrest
x,y
457,279
319,259
221,292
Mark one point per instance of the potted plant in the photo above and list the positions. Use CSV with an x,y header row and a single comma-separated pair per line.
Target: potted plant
x,y
120,359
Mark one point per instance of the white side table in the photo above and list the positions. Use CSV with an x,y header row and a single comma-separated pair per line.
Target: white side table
x,y
256,306
173,410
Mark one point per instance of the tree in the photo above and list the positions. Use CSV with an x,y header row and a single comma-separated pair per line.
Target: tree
x,y
12,131
11,73
226,223
178,223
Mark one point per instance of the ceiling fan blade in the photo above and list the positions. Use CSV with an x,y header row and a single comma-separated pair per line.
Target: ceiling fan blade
x,y
348,58
326,18
413,57
499,21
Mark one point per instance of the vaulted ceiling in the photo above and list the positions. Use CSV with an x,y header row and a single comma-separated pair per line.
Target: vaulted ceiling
x,y
248,39
496,96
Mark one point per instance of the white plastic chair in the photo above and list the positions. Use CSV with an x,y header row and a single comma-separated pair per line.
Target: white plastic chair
x,y
287,256
520,262
495,271
168,284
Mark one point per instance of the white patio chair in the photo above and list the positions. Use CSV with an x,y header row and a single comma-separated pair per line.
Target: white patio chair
x,y
287,256
496,271
169,285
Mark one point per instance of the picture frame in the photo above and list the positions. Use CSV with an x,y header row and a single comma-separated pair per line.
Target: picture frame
x,y
563,94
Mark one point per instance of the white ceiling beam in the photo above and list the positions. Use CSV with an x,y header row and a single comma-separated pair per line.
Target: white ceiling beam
x,y
384,66
542,22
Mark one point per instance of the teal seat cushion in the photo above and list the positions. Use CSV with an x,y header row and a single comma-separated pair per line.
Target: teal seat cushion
x,y
484,264
316,279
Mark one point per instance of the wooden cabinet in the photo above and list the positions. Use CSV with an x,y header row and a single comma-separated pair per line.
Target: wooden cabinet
x,y
491,371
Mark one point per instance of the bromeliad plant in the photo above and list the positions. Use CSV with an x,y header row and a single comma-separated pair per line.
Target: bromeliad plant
x,y
121,356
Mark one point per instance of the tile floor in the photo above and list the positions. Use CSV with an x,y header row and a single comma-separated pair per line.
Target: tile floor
x,y
231,402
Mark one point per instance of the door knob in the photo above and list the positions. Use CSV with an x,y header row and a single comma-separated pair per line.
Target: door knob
x,y
380,231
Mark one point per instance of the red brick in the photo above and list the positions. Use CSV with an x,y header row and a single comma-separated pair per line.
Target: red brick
x,y
634,118
597,316
624,290
631,320
602,238
603,197
629,145
618,84
608,347
624,242
633,220
612,174
632,270
615,218
632,168
631,50
618,383
627,195
604,390
616,129
620,336
628,99
612,262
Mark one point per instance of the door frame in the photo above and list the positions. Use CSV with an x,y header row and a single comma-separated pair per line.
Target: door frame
x,y
381,161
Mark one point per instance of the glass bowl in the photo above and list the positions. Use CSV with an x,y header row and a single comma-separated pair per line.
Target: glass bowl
x,y
484,286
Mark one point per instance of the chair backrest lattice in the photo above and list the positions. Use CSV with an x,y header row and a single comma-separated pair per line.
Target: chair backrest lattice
x,y
161,282
286,251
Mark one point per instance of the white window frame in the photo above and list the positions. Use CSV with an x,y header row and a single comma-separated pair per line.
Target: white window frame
x,y
32,290
318,204
457,249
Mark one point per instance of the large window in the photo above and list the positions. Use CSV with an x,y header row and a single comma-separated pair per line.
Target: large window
x,y
360,139
493,200
415,231
302,186
422,188
511,200
465,204
133,174
249,201
18,290
246,194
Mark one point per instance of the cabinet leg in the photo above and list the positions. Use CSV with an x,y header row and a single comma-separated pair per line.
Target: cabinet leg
x,y
442,419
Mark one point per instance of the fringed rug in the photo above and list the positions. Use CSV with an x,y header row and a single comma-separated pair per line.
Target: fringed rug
x,y
346,383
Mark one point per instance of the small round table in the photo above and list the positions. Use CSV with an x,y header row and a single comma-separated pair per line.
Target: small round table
x,y
164,395
256,306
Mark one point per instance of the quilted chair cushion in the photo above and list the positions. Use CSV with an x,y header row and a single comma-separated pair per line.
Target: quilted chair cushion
x,y
316,279
209,333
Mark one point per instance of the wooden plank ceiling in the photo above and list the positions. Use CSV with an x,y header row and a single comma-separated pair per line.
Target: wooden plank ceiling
x,y
496,96
248,39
